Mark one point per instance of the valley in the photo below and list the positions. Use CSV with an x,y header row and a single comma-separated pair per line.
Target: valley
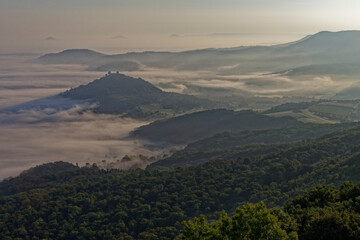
x,y
165,144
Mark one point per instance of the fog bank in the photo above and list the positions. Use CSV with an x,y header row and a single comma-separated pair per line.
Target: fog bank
x,y
29,138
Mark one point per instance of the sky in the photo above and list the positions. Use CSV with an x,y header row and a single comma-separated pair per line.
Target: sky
x,y
136,25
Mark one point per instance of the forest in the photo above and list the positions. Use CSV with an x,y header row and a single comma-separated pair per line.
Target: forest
x,y
62,201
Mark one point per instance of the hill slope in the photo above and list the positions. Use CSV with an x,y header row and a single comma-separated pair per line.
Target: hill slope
x,y
329,111
194,126
143,204
234,145
134,97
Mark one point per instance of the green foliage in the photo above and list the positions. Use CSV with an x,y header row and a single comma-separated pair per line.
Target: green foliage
x,y
320,213
41,176
235,144
250,222
326,213
199,228
88,203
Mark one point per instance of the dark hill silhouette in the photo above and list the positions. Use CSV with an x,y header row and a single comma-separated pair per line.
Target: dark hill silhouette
x,y
77,56
195,126
134,97
326,40
316,50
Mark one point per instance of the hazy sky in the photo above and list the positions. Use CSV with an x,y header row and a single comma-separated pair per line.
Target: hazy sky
x,y
124,25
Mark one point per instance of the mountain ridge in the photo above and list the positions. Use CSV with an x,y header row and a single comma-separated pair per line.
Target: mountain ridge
x,y
305,39
317,49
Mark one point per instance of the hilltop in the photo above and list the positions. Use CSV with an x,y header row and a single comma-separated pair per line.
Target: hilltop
x,y
134,97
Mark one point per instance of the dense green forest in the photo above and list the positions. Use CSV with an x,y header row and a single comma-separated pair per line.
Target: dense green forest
x,y
61,201
321,213
235,144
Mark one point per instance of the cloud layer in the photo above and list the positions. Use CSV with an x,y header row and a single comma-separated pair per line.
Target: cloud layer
x,y
30,137
33,136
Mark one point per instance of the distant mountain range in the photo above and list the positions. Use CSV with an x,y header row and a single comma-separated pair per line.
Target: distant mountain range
x,y
337,52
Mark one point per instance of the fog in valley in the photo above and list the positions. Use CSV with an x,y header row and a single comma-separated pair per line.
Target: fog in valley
x,y
38,126
68,136
64,130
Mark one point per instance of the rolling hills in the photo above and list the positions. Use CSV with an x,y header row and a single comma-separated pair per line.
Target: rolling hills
x,y
231,158
150,204
237,144
314,53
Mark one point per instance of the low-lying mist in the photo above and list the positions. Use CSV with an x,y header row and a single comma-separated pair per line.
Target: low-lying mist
x,y
74,134
29,138
256,84
22,81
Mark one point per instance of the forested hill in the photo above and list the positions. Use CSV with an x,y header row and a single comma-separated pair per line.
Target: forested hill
x,y
135,97
88,203
43,176
236,144
195,126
